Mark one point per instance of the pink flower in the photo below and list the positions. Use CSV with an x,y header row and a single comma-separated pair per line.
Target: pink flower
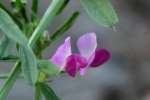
x,y
89,57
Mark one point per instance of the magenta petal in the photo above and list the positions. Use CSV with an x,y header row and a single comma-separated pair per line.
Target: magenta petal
x,y
71,65
59,58
101,56
87,45
82,62
74,63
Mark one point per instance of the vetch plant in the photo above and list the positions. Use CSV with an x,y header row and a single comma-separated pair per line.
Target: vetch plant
x,y
27,34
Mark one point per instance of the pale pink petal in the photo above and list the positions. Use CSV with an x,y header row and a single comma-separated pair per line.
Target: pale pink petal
x,y
87,45
59,58
83,71
101,56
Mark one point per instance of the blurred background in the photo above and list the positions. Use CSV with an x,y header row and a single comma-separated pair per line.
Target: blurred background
x,y
124,77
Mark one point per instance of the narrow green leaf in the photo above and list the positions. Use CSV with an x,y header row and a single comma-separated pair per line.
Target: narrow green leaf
x,y
63,7
29,69
48,67
34,6
67,24
10,82
12,31
48,92
34,9
101,11
6,46
28,58
12,16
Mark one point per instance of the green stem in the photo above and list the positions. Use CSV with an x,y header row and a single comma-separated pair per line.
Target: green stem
x,y
9,58
47,18
34,9
10,81
34,6
5,76
38,92
22,10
